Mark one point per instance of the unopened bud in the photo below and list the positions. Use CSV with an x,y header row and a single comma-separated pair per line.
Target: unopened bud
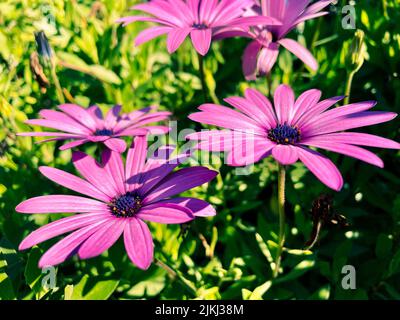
x,y
356,52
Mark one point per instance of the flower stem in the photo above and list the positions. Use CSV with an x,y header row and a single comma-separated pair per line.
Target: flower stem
x,y
202,76
269,85
348,87
282,224
175,275
59,91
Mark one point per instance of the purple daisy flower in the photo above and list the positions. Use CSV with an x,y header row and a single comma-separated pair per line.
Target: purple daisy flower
x,y
118,202
88,125
287,130
201,19
261,54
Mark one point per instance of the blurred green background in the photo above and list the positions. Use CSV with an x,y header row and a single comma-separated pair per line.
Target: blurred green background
x,y
227,256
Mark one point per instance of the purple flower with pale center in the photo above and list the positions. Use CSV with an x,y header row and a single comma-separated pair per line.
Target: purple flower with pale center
x,y
288,130
88,125
201,19
118,201
261,54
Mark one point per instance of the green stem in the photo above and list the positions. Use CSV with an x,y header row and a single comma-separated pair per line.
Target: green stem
x,y
174,275
348,87
269,84
282,224
202,76
59,90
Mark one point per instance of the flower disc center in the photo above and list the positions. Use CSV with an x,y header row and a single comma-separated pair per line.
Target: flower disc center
x,y
200,26
284,134
103,132
125,206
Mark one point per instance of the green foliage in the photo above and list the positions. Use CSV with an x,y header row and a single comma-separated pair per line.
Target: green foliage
x,y
228,256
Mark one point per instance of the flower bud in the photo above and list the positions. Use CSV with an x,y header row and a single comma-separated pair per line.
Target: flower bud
x,y
356,52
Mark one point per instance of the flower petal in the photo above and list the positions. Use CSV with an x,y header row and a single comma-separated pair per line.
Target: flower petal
x,y
65,247
94,173
167,213
150,33
300,52
179,181
284,102
135,162
201,40
79,114
250,60
74,183
115,144
176,37
285,154
61,226
138,243
263,104
267,58
102,239
198,207
321,167
362,139
346,149
60,204
114,167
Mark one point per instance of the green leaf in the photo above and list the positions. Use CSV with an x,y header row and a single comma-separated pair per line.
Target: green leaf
x,y
104,74
92,288
6,287
384,245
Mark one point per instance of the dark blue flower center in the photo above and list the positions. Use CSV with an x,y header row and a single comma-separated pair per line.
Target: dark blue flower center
x,y
200,26
284,134
125,206
103,132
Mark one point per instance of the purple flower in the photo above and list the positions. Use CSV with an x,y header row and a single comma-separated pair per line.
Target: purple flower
x,y
118,202
261,54
201,19
88,125
287,130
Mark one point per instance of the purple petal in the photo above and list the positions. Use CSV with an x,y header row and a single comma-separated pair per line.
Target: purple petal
x,y
251,110
135,162
115,144
201,40
285,154
249,60
346,149
73,144
79,114
321,167
74,183
356,120
284,102
263,104
306,101
227,118
60,204
267,58
199,208
176,37
138,243
65,247
62,226
150,33
58,125
179,181
167,213
112,115
362,139
246,154
102,239
114,167
94,173
300,52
